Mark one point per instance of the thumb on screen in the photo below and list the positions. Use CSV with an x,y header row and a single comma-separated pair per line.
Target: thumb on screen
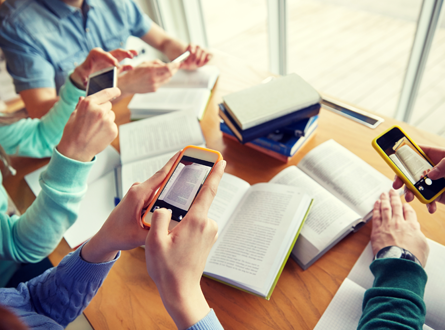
x,y
159,223
438,171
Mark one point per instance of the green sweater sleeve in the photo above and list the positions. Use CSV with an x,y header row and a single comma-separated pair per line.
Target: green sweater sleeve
x,y
396,299
35,234
38,137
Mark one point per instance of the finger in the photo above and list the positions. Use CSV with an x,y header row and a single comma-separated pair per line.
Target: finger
x,y
192,58
408,213
199,54
434,153
409,195
398,183
208,191
376,215
121,54
104,58
205,59
125,68
385,208
432,207
155,181
438,171
105,95
159,224
396,205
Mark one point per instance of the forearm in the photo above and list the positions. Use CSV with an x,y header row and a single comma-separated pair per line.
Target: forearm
x,y
35,234
37,138
162,41
396,299
63,292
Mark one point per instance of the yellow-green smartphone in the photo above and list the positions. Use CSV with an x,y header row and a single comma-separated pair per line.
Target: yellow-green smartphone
x,y
409,162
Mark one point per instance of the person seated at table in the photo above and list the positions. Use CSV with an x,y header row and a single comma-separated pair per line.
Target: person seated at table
x,y
175,261
437,155
43,40
32,236
396,299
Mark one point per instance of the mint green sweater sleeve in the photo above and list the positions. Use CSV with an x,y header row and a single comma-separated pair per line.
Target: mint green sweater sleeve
x,y
396,299
35,234
38,137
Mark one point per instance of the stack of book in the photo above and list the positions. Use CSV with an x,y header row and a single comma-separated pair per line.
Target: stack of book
x,y
275,118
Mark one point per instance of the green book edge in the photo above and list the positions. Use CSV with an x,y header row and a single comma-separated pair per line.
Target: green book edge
x,y
281,268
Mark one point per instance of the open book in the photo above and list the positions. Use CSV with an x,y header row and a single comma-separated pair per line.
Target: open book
x,y
344,189
145,146
409,161
345,309
186,90
258,226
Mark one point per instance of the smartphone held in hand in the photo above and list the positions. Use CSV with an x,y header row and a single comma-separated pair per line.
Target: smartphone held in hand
x,y
182,184
106,78
410,163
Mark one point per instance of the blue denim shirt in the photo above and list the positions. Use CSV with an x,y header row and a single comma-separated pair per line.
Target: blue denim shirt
x,y
43,40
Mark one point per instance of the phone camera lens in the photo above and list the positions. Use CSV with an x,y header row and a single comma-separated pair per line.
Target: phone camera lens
x,y
421,188
428,181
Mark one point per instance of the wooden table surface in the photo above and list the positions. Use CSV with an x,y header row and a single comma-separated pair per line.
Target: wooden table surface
x,y
129,299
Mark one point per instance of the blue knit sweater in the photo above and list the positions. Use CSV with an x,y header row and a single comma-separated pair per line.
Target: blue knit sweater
x,y
58,296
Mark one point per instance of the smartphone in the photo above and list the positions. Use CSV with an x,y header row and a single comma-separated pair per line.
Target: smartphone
x,y
409,162
102,79
182,57
359,116
182,184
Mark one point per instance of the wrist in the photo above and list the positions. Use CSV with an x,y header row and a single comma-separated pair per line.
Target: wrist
x,y
77,79
97,251
186,308
71,152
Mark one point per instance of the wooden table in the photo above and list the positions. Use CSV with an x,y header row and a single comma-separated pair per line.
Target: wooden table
x,y
129,299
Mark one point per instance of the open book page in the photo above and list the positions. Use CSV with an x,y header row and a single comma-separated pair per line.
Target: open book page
x,y
171,181
252,246
166,100
346,176
413,162
95,208
434,292
158,135
231,190
142,170
401,167
345,309
204,77
185,185
328,217
105,162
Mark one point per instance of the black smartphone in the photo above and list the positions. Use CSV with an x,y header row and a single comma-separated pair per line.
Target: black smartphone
x,y
102,79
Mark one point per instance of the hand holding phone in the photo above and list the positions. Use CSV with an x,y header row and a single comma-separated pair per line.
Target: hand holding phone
x,y
182,184
181,58
411,165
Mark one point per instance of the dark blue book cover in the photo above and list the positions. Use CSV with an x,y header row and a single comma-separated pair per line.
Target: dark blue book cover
x,y
287,140
264,129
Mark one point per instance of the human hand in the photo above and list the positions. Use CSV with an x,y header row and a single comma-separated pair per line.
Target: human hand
x,y
394,224
122,230
90,127
437,155
198,57
176,259
147,77
99,59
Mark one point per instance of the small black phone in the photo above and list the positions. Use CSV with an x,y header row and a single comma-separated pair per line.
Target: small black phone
x,y
102,79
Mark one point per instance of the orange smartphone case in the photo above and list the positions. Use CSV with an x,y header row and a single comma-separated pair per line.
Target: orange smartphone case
x,y
145,224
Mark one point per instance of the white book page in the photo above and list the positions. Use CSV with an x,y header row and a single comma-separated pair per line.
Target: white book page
x,y
204,77
185,186
106,161
346,176
434,291
171,181
231,190
328,216
247,251
142,170
158,135
401,167
345,309
95,208
169,99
